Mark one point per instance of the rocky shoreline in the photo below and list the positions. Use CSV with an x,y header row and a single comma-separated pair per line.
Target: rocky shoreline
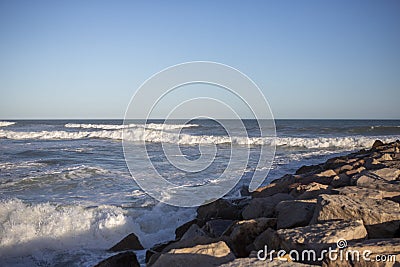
x,y
347,205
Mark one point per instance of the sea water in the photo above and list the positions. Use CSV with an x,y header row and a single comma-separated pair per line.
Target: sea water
x,y
66,194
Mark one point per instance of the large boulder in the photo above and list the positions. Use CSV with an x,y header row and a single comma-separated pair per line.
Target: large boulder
x,y
324,177
277,186
192,232
124,259
263,207
212,254
381,217
243,233
217,227
295,213
181,230
219,209
388,174
130,242
362,192
319,237
365,253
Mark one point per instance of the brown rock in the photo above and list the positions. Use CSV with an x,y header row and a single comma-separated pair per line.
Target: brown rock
x,y
354,171
377,143
343,168
213,254
388,174
318,237
355,192
381,217
324,177
124,259
309,169
278,186
243,233
129,242
310,191
267,238
368,180
372,164
263,207
295,213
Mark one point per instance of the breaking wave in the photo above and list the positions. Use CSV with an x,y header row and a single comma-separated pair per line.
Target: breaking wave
x,y
153,126
6,123
158,136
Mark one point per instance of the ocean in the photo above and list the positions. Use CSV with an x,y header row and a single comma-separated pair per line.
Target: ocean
x,y
66,194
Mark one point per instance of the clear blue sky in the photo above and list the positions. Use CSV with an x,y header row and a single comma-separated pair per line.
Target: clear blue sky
x,y
312,59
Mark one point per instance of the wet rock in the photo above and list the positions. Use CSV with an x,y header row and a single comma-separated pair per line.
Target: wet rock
x,y
219,209
217,227
243,233
124,259
193,231
381,217
212,254
181,230
130,242
375,246
263,207
295,213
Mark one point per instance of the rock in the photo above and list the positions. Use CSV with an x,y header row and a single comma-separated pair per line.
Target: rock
x,y
243,233
181,230
217,227
372,164
198,240
309,169
343,168
130,242
156,249
340,180
318,237
381,217
368,180
377,143
213,254
385,157
361,192
278,186
193,231
263,207
354,171
294,213
310,191
267,238
324,177
334,163
375,246
388,174
124,259
219,209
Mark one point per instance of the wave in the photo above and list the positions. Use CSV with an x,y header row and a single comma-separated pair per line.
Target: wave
x,y
6,123
157,136
152,126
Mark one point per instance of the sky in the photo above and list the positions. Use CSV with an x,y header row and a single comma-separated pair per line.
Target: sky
x,y
311,59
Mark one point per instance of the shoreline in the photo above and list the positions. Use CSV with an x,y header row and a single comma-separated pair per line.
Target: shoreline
x,y
353,199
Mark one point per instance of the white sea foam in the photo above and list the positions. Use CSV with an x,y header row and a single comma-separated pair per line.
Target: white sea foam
x,y
38,226
153,126
6,123
158,136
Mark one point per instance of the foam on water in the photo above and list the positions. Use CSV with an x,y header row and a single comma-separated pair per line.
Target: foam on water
x,y
158,136
6,123
41,229
154,126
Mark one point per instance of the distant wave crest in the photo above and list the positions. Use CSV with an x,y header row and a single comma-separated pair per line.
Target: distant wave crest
x,y
158,136
6,123
154,126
